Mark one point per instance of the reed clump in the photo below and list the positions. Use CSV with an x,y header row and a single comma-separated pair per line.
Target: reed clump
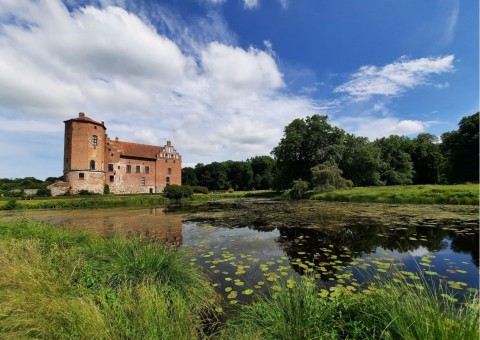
x,y
389,309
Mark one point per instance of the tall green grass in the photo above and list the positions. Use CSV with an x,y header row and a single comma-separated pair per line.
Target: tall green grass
x,y
415,194
392,309
60,284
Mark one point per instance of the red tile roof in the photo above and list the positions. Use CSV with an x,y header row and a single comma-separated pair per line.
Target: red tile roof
x,y
138,150
84,119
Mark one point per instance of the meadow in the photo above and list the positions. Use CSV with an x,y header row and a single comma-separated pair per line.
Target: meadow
x,y
467,194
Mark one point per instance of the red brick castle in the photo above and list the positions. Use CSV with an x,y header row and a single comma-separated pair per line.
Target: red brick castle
x,y
92,160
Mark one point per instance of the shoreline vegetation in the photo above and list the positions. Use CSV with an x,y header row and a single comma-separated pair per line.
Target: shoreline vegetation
x,y
460,194
56,283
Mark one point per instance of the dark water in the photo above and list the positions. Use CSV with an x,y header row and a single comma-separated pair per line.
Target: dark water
x,y
245,260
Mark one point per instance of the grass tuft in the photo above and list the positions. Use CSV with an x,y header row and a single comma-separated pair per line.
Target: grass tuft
x,y
56,283
389,309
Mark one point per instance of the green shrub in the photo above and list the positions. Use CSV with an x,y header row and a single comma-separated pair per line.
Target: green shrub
x,y
44,192
299,189
327,176
14,193
200,190
177,192
11,204
106,189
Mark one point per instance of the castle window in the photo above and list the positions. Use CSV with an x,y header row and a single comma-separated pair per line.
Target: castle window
x,y
169,170
94,140
81,175
137,169
147,169
129,168
174,161
110,167
166,161
92,165
112,178
167,180
142,181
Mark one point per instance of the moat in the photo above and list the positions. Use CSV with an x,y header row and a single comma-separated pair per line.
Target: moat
x,y
246,246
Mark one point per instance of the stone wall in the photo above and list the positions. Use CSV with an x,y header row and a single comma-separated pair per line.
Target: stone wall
x,y
93,181
30,192
59,188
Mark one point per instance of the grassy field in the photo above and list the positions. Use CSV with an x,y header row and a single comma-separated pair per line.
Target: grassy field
x,y
414,194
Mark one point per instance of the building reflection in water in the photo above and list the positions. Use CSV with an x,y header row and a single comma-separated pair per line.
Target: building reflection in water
x,y
148,224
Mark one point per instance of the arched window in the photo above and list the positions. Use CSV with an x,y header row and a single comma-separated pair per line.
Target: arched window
x,y
94,140
92,165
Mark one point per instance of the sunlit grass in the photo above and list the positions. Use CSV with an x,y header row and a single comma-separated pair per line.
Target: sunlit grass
x,y
417,194
60,284
389,309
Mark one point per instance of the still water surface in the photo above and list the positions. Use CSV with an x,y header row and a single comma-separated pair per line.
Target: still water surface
x,y
247,259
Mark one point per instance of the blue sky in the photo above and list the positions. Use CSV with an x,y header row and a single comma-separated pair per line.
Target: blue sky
x,y
222,78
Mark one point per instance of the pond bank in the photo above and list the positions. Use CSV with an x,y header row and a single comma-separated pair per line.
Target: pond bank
x,y
64,284
462,194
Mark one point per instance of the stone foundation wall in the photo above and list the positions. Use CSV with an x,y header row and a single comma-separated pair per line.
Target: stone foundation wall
x,y
93,181
59,188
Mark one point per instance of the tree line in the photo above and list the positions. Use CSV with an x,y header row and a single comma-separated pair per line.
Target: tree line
x,y
313,150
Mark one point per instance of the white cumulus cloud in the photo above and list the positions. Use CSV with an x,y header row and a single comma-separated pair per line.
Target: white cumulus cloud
x,y
250,3
377,127
215,100
394,79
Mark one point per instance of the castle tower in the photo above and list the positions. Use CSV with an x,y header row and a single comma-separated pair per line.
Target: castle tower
x,y
84,154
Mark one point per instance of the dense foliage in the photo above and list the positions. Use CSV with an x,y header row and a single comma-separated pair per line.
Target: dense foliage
x,y
393,160
310,142
177,192
14,187
328,176
255,173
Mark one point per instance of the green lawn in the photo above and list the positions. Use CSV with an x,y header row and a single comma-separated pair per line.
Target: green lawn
x,y
414,194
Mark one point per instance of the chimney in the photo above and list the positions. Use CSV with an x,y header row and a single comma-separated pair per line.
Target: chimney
x,y
116,139
103,122
81,115
169,143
